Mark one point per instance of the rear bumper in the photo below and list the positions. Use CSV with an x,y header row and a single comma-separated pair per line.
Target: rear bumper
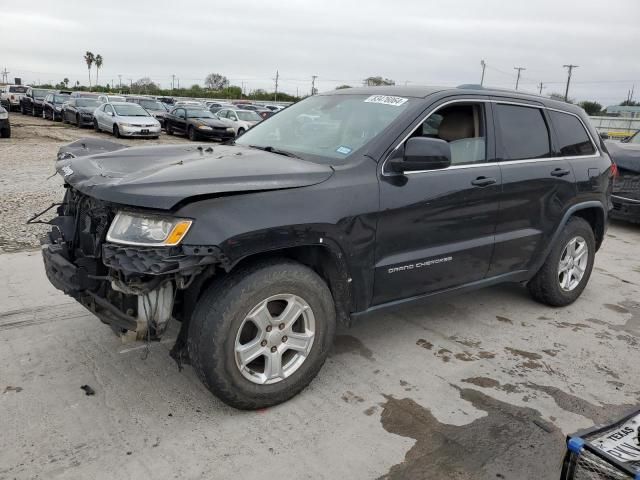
x,y
625,209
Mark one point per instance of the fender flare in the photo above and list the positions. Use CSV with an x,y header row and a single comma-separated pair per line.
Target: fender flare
x,y
565,218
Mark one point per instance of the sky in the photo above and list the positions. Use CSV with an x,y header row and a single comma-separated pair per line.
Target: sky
x,y
417,42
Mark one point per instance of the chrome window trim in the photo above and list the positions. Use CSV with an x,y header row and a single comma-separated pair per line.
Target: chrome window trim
x,y
488,164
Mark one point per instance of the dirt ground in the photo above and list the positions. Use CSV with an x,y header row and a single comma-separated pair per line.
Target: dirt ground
x,y
483,386
28,184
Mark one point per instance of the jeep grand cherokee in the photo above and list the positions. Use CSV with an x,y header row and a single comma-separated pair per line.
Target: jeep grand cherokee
x,y
343,205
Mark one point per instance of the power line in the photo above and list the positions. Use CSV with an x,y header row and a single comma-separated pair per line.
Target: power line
x,y
519,69
569,70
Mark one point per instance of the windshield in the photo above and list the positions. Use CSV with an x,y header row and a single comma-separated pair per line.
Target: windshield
x,y
40,93
60,98
151,105
248,116
330,126
17,89
87,102
130,110
198,113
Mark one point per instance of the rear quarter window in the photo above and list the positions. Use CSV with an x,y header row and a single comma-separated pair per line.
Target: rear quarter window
x,y
572,136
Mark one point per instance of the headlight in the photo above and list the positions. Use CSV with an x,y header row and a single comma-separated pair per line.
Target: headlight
x,y
57,108
4,115
122,124
149,230
230,130
204,127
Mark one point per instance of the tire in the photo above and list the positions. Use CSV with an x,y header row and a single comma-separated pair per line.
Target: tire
x,y
96,127
168,130
33,111
240,132
191,133
222,311
22,109
78,121
545,286
5,133
116,131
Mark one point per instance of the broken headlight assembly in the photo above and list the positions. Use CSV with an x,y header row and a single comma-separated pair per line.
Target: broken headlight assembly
x,y
129,228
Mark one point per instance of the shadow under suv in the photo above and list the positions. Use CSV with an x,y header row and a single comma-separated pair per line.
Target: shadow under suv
x,y
344,204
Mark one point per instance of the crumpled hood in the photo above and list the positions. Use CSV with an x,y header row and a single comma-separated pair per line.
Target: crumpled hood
x,y
625,155
164,175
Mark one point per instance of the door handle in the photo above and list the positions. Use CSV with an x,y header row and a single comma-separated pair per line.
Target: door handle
x,y
560,172
483,181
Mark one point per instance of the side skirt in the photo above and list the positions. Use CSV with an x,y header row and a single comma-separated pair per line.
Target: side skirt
x,y
518,276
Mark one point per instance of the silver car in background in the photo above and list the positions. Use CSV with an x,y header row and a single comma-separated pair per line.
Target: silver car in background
x,y
125,120
240,120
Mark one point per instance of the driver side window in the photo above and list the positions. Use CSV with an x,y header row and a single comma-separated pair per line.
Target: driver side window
x,y
462,126
108,109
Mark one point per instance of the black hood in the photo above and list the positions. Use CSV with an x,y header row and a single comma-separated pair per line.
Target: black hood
x,y
625,155
162,176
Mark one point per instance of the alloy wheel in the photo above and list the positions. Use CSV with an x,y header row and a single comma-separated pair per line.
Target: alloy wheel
x,y
573,263
274,339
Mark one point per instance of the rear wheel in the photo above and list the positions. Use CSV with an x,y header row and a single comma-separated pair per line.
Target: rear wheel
x,y
566,272
260,335
116,131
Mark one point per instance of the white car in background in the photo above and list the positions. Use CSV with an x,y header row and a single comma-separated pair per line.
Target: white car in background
x,y
240,120
10,96
124,119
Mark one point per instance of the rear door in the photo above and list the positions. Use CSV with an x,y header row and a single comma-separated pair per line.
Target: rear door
x,y
537,185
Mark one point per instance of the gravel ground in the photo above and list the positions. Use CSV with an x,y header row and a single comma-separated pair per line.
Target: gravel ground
x,y
28,184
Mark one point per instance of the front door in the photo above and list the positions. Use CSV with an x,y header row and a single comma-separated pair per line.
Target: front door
x,y
435,229
537,185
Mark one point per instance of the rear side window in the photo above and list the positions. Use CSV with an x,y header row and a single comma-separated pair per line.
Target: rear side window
x,y
572,137
523,133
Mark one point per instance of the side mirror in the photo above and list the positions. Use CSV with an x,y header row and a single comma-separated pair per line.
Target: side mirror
x,y
111,114
422,153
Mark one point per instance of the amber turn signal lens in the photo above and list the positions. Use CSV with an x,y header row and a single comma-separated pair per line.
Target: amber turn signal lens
x,y
178,232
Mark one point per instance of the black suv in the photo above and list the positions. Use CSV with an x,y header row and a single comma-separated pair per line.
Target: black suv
x,y
33,100
343,205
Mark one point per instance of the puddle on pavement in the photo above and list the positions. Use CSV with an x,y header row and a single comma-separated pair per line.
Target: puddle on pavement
x,y
509,440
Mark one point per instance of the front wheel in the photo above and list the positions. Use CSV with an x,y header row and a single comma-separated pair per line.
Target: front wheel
x,y
566,272
240,132
96,127
192,134
259,336
116,131
78,121
167,129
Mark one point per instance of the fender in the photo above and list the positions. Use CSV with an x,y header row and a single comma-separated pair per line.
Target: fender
x,y
556,234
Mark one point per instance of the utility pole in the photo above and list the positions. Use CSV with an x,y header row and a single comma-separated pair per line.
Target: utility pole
x,y
4,73
313,84
120,81
541,86
275,96
518,79
178,84
483,64
173,81
130,85
569,70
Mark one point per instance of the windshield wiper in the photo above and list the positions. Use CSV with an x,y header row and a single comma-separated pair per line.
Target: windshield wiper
x,y
277,151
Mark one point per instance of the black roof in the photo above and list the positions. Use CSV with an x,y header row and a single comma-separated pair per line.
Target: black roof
x,y
417,91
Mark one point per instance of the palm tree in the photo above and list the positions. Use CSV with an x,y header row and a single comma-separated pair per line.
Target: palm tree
x,y
98,61
66,82
89,59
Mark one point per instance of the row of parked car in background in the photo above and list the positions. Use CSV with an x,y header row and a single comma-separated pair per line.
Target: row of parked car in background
x,y
135,115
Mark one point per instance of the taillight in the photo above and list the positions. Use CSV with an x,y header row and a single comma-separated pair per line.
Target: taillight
x,y
614,170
